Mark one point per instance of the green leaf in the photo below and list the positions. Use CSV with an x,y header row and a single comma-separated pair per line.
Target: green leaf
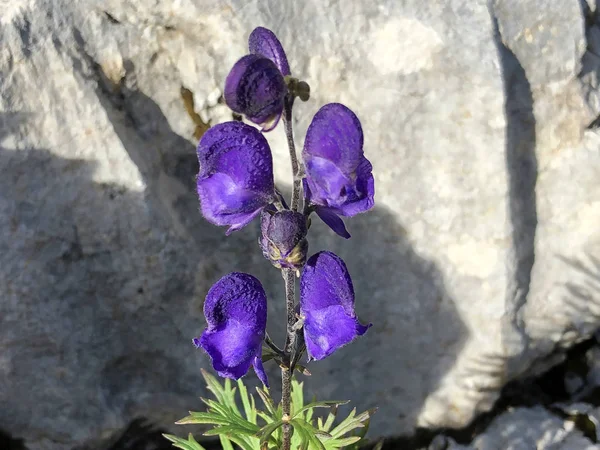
x,y
214,386
297,396
379,445
238,436
309,414
266,399
323,404
302,437
310,432
189,444
200,417
341,443
265,416
265,433
330,418
352,422
240,441
227,430
225,443
248,405
363,431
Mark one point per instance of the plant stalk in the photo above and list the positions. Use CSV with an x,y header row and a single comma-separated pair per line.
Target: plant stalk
x,y
289,134
286,373
290,282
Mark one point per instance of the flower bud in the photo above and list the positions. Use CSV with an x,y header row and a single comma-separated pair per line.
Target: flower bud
x,y
283,238
255,88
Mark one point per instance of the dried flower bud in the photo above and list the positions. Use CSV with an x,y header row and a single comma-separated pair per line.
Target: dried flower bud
x,y
283,238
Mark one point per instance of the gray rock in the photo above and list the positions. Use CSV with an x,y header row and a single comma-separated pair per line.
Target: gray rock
x,y
478,264
529,428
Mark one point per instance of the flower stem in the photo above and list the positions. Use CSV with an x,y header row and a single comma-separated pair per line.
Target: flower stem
x,y
286,373
289,134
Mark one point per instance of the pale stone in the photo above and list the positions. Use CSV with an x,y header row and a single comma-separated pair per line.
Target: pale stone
x,y
478,264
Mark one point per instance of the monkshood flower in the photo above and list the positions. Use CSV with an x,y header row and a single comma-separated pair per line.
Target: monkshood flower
x,y
327,305
256,87
235,181
339,179
263,42
283,238
236,317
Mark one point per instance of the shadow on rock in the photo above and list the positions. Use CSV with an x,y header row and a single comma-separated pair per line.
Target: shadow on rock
x,y
104,289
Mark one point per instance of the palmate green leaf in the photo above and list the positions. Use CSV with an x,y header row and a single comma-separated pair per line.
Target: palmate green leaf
x,y
223,415
224,394
329,421
239,426
352,422
189,444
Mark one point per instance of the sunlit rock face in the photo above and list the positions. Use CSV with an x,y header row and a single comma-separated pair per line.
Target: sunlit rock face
x,y
479,262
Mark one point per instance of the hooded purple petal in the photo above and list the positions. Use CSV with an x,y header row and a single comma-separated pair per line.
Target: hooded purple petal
x,y
255,88
236,174
338,176
263,41
283,238
327,305
236,317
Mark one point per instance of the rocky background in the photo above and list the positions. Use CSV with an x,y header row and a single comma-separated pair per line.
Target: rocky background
x,y
479,266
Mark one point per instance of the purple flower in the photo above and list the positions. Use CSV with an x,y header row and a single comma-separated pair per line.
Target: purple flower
x,y
339,179
327,305
256,87
236,174
236,317
283,238
263,42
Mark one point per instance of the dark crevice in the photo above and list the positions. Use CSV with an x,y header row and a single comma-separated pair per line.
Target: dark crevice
x,y
8,442
521,168
590,60
112,19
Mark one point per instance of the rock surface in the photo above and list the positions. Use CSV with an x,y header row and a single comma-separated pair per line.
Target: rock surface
x,y
480,262
528,428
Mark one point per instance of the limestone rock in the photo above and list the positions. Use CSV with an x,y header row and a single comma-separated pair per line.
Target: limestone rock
x,y
528,428
478,264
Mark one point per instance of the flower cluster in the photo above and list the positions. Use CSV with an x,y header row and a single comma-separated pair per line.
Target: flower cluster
x,y
235,184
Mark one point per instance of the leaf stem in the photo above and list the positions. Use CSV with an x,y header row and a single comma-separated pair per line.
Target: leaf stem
x,y
289,134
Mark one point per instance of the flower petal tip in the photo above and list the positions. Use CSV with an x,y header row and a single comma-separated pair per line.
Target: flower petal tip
x,y
263,41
